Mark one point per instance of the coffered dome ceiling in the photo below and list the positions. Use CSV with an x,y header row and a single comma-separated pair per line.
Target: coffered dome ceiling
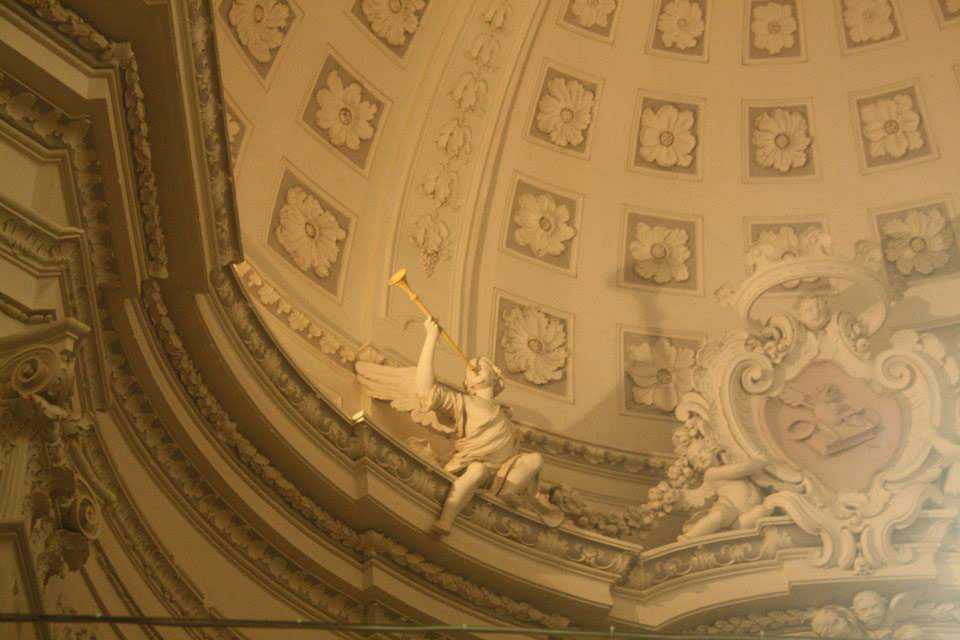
x,y
568,183
712,244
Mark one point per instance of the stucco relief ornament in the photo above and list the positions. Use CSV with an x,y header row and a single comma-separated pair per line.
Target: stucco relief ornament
x,y
918,242
780,140
542,225
344,113
799,387
455,139
873,615
439,184
660,253
892,126
259,25
661,373
666,137
309,233
534,344
392,20
773,26
868,20
785,243
432,237
593,13
565,112
681,24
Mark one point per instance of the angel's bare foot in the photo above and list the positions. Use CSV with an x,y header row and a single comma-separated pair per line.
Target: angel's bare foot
x,y
440,528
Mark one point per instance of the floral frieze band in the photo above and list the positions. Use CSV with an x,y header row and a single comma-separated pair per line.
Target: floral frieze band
x,y
919,241
594,18
867,24
666,136
779,141
345,113
392,23
679,29
534,346
774,32
565,111
661,252
892,128
542,223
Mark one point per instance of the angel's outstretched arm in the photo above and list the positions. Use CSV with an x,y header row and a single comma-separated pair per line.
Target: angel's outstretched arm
x,y
425,378
734,471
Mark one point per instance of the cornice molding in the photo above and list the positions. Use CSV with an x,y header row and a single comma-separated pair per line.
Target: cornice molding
x,y
208,92
563,544
85,42
361,545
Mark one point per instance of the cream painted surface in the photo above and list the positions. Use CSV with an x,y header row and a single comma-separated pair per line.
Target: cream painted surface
x,y
31,183
843,195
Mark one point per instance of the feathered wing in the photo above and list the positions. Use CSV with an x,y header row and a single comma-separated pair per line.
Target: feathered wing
x,y
399,386
903,604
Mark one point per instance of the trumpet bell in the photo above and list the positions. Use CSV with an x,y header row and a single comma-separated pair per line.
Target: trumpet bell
x,y
398,277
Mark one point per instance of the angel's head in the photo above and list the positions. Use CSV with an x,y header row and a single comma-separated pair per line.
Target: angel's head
x,y
481,374
703,454
871,608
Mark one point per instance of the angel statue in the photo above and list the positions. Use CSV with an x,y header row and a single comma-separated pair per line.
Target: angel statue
x,y
486,446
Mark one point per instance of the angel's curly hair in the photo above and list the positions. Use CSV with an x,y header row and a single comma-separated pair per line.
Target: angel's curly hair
x,y
498,381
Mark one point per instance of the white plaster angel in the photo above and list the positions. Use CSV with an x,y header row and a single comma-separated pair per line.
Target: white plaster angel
x,y
731,494
486,446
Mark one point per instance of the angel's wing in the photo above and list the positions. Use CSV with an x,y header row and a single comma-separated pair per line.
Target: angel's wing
x,y
399,386
903,604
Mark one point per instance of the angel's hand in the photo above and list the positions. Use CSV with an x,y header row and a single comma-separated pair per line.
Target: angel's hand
x,y
432,327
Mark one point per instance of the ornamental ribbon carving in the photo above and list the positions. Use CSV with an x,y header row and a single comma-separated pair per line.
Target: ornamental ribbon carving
x,y
813,412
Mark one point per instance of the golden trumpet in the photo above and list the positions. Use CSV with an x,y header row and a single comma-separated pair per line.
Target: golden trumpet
x,y
399,280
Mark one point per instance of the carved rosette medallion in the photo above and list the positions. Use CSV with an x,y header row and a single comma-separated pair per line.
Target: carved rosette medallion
x,y
850,433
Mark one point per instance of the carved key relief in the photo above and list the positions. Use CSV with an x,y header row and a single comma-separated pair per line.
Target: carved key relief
x,y
868,24
593,18
542,224
392,23
918,240
259,29
774,32
892,128
680,29
345,112
534,346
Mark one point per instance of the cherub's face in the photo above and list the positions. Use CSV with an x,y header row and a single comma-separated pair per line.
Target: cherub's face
x,y
701,456
870,608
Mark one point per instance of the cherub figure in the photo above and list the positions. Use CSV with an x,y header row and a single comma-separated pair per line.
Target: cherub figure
x,y
486,447
882,618
739,501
